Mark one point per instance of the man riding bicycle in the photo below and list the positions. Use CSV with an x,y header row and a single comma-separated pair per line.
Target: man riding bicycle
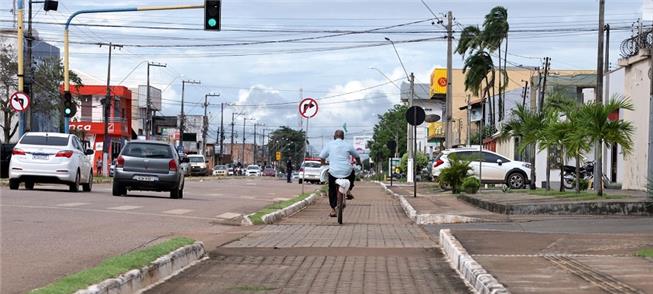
x,y
338,153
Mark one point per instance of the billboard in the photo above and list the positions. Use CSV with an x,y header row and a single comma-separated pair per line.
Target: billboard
x,y
439,82
360,144
155,97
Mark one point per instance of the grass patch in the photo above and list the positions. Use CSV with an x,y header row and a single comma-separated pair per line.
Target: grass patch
x,y
646,252
256,217
113,267
249,288
583,195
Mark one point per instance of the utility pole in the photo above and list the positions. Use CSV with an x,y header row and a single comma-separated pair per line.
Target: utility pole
x,y
149,126
254,155
543,89
30,79
107,107
469,121
182,116
598,147
221,132
231,148
449,102
412,134
650,129
205,126
523,100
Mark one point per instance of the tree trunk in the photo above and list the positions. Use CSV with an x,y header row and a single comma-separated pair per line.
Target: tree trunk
x,y
533,179
500,88
598,169
505,70
562,165
578,174
548,169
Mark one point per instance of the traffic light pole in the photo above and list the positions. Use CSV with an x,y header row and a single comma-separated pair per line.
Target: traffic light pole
x,y
182,116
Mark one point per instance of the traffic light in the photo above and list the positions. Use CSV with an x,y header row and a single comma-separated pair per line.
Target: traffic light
x,y
69,108
212,15
50,5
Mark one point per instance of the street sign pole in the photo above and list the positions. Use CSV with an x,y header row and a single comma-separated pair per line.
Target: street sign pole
x,y
415,117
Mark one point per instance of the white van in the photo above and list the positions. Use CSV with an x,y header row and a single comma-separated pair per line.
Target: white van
x,y
199,166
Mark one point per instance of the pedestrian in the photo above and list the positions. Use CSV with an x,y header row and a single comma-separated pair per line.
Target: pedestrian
x,y
289,171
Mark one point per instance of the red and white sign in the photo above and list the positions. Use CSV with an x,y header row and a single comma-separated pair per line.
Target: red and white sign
x,y
308,107
19,101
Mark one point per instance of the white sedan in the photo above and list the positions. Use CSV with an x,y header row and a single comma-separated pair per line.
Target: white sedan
x,y
50,158
253,170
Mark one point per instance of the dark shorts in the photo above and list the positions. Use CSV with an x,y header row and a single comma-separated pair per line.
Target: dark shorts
x,y
333,188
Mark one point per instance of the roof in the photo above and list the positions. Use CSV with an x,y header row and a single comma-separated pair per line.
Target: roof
x,y
471,103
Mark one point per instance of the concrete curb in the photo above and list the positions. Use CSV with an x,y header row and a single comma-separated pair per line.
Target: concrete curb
x,y
273,217
471,271
163,268
425,218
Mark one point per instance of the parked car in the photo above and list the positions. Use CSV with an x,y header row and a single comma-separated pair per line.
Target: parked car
x,y
253,170
199,166
269,171
149,166
496,169
312,172
50,158
220,170
112,168
230,169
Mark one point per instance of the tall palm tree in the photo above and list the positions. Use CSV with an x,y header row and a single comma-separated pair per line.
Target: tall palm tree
x,y
529,127
598,128
495,30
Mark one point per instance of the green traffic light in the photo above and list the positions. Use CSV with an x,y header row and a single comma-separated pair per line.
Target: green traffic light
x,y
67,111
212,22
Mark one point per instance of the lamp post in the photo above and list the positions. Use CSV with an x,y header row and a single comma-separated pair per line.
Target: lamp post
x,y
182,117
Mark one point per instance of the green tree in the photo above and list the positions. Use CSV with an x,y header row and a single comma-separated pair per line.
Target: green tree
x,y
289,142
391,126
48,76
9,80
528,126
421,161
495,31
600,130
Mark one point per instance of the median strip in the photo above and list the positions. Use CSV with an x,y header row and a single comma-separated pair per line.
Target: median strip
x,y
135,269
280,209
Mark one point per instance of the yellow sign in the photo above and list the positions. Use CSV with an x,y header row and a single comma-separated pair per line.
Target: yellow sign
x,y
439,82
278,155
435,130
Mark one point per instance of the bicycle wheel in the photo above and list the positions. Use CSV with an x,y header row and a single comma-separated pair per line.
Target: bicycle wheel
x,y
340,206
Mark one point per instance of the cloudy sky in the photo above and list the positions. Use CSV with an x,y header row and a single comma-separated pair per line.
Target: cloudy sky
x,y
333,50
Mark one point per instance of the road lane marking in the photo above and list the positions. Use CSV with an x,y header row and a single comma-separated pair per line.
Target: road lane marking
x,y
281,199
229,215
125,207
247,197
72,204
272,193
178,211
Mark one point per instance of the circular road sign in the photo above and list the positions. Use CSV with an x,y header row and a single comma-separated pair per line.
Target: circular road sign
x,y
19,101
308,107
415,115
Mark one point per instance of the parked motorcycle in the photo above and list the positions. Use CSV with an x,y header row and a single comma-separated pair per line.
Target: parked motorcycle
x,y
586,173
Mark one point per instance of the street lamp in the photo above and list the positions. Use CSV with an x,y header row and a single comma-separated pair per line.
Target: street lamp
x,y
149,126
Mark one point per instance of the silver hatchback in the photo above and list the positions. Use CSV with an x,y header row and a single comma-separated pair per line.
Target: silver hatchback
x,y
148,166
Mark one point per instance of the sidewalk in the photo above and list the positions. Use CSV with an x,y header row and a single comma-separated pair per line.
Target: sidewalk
x,y
376,250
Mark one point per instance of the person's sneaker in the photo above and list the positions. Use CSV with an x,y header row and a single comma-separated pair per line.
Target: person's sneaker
x,y
349,196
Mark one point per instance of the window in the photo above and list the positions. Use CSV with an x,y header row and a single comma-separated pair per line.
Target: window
x,y
44,140
195,159
147,150
466,155
311,164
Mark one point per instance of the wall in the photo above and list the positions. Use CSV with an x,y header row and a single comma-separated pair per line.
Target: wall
x,y
636,87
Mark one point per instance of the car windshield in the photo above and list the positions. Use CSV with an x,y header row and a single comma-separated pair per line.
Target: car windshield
x,y
44,140
311,164
253,167
220,167
196,159
147,150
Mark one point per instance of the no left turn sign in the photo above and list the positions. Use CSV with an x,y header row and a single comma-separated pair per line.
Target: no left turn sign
x,y
308,107
19,101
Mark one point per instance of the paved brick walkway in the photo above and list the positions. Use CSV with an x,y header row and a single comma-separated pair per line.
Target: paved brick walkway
x,y
377,250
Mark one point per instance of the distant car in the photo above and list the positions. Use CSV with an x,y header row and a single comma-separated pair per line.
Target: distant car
x,y
50,158
269,171
312,172
496,169
149,166
199,166
220,170
253,170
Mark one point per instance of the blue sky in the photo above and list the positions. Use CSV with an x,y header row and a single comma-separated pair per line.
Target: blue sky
x,y
259,76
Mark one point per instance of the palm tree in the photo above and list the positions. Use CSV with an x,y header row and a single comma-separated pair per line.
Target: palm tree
x,y
495,30
529,127
599,129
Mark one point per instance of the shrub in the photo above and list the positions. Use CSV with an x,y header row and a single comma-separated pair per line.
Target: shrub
x,y
454,175
471,185
584,184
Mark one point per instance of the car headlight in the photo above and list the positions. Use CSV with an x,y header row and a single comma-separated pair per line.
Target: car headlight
x,y
526,165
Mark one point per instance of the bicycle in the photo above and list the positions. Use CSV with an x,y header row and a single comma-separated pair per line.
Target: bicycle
x,y
343,187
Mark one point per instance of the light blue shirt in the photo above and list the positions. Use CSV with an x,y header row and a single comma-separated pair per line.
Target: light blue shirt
x,y
337,152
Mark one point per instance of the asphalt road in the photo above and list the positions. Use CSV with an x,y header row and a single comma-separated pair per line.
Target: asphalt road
x,y
49,232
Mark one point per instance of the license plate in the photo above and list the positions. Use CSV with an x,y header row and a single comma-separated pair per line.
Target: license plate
x,y
146,178
40,156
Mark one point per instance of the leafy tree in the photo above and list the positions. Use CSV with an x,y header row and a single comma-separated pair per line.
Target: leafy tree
x,y
421,161
495,31
9,80
391,126
48,76
528,126
289,142
598,128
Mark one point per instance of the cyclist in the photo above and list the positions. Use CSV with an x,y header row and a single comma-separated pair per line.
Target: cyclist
x,y
338,153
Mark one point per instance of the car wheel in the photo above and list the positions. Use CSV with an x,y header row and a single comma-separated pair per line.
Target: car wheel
x,y
516,180
88,186
118,189
300,181
29,185
181,192
74,187
13,184
174,193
